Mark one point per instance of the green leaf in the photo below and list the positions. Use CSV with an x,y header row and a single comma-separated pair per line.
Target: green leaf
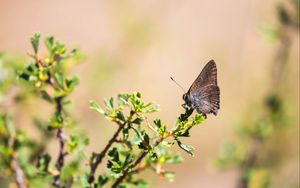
x,y
146,137
93,157
199,118
185,132
31,68
84,180
102,180
60,48
24,76
128,159
49,41
120,116
153,155
114,167
109,103
59,79
157,122
162,129
110,164
123,99
72,53
141,145
125,132
33,79
141,183
145,142
71,167
173,159
169,176
124,185
43,162
46,96
114,155
56,121
260,178
95,106
72,82
186,115
186,148
138,95
35,42
153,109
138,120
72,143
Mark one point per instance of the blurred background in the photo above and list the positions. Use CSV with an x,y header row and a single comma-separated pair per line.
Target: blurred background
x,y
137,45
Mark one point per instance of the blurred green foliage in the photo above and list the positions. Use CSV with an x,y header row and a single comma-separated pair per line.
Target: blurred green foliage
x,y
46,78
254,152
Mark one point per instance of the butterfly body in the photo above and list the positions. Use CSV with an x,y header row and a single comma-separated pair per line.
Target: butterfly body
x,y
204,93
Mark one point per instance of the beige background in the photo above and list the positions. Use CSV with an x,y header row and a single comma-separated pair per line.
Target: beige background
x,y
137,45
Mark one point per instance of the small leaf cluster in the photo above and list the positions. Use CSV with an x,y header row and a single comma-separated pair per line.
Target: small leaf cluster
x,y
19,150
141,144
47,75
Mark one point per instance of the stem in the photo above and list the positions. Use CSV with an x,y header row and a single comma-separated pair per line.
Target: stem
x,y
182,117
20,180
281,58
139,169
61,138
18,172
99,158
249,162
138,161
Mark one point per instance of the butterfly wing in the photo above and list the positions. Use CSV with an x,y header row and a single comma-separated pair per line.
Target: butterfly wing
x,y
206,99
207,76
204,93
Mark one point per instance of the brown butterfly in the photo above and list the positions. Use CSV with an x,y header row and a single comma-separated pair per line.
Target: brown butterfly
x,y
204,93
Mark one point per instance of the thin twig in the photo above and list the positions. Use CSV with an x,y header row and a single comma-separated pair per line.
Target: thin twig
x,y
186,115
138,169
94,165
249,161
138,161
61,139
149,124
19,174
20,181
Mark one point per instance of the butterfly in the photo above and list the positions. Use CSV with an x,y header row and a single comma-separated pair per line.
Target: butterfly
x,y
204,93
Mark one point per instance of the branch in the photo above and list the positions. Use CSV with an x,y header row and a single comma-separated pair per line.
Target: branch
x,y
184,116
99,158
20,181
18,172
138,161
249,162
61,138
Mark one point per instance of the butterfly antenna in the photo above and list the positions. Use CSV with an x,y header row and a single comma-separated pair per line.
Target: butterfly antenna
x,y
178,84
